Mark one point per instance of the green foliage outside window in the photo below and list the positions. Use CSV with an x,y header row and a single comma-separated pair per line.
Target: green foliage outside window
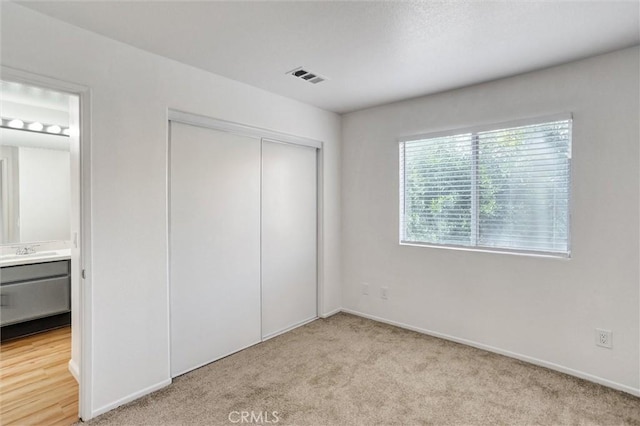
x,y
505,189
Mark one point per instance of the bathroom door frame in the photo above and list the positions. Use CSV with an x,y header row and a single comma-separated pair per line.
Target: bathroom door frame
x,y
84,140
262,134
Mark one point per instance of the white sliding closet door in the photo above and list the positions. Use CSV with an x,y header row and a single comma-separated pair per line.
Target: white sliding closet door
x,y
289,197
214,245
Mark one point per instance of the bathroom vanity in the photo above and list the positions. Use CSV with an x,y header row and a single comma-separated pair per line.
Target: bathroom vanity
x,y
35,293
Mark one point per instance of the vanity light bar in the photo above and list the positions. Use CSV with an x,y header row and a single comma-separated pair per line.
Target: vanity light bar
x,y
34,126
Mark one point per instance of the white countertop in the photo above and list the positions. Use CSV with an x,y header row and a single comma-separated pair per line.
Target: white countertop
x,y
27,259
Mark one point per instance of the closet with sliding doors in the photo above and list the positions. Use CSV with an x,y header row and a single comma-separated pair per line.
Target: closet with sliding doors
x,y
242,237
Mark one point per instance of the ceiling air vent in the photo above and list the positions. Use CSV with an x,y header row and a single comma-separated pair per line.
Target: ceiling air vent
x,y
307,75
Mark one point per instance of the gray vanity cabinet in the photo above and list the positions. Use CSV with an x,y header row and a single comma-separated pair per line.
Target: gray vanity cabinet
x,y
34,291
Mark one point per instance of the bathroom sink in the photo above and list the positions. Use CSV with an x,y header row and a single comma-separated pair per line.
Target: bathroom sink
x,y
41,256
36,254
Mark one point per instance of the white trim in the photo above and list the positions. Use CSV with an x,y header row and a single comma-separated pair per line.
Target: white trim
x,y
295,144
26,77
168,240
240,129
489,126
131,397
331,313
74,370
285,330
320,288
526,358
84,93
86,288
529,253
261,248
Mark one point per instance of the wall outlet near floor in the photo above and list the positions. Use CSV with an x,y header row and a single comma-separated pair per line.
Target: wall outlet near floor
x,y
384,292
365,289
604,338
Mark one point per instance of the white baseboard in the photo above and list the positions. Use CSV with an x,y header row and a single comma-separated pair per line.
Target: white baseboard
x,y
74,370
130,398
331,313
531,360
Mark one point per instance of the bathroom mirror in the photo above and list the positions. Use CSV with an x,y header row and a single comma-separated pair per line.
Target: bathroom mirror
x,y
35,185
35,165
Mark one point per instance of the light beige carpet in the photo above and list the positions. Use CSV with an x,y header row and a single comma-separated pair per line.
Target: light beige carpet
x,y
347,370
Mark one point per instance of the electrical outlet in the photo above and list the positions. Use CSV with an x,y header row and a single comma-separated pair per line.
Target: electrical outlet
x,y
604,338
365,289
384,292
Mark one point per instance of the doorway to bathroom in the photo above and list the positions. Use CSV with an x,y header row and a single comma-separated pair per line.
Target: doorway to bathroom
x,y
43,249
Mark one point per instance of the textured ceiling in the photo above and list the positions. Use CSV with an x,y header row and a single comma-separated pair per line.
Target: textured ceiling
x,y
372,52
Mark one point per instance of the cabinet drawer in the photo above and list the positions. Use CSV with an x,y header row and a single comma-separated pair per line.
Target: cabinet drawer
x,y
34,299
36,271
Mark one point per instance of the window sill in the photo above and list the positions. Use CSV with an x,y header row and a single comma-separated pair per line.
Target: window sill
x,y
560,256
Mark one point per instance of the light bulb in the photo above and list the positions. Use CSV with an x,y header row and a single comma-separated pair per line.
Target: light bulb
x,y
16,124
54,129
36,127
66,132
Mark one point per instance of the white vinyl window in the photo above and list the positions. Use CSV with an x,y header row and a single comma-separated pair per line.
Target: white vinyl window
x,y
501,188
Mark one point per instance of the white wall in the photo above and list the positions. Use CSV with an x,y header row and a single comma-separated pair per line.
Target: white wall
x,y
44,187
131,91
545,310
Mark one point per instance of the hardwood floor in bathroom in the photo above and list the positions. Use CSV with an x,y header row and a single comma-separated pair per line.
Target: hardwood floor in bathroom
x,y
36,387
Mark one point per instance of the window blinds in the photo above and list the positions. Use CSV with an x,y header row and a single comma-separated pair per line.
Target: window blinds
x,y
504,189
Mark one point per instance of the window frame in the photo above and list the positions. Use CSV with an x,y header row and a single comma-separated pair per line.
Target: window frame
x,y
474,130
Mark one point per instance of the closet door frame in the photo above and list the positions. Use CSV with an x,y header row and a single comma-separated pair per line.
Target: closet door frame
x,y
241,129
265,135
